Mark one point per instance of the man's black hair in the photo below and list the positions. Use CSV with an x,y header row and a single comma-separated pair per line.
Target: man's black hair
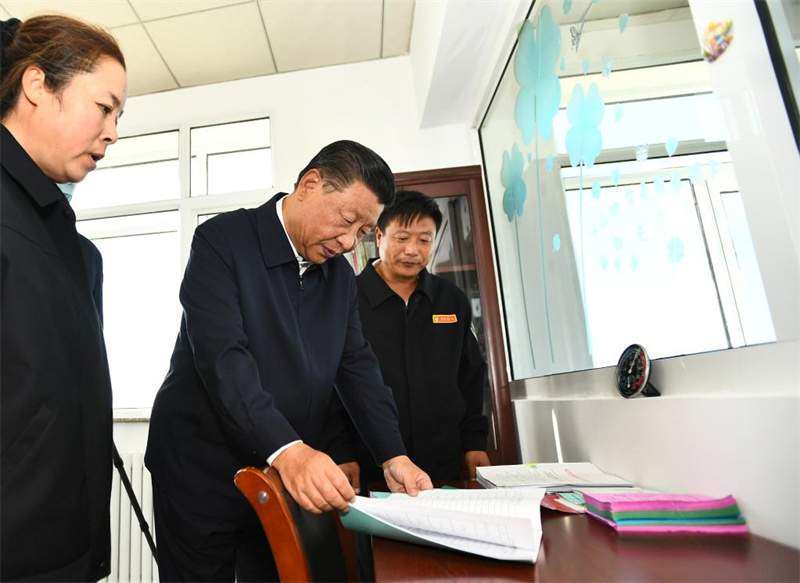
x,y
344,162
410,205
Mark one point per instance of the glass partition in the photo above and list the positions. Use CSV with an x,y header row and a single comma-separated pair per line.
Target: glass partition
x,y
616,212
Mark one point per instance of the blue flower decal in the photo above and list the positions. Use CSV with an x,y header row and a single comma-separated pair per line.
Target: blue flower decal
x,y
585,112
675,250
676,181
511,178
629,197
696,173
623,22
534,68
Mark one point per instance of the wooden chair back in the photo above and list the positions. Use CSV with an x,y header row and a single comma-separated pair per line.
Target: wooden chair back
x,y
306,547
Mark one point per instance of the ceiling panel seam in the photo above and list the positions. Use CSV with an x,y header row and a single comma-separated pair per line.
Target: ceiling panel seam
x,y
147,32
266,35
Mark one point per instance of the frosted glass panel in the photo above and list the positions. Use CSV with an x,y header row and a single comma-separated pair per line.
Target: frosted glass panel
x,y
613,198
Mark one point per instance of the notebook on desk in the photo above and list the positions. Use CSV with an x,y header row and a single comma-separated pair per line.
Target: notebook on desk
x,y
554,477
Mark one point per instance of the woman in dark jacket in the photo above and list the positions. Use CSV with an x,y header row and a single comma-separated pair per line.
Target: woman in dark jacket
x,y
62,89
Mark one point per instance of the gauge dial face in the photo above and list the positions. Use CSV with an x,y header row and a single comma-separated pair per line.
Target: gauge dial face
x,y
633,370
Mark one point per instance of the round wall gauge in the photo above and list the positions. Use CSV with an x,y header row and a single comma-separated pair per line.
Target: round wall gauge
x,y
633,373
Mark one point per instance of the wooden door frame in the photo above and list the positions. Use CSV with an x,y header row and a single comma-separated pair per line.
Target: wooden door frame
x,y
469,180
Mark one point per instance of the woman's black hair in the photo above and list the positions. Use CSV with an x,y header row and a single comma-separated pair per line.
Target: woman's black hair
x,y
60,46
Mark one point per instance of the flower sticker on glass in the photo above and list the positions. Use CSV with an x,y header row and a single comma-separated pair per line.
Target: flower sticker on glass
x,y
696,173
534,68
608,62
556,242
716,39
671,145
675,250
585,112
676,181
511,178
623,22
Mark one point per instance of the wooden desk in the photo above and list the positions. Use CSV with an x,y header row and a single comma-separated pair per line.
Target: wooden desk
x,y
578,548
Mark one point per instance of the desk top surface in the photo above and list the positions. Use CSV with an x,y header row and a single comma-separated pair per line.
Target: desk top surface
x,y
578,548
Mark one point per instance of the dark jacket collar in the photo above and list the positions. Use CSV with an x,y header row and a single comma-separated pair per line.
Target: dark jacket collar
x,y
378,291
275,246
16,161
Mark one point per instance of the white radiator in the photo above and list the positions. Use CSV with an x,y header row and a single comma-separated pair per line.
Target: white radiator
x,y
131,559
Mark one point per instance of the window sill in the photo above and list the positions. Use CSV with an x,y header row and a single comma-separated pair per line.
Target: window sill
x,y
132,415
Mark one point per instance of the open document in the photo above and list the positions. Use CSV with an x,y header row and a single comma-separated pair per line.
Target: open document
x,y
499,524
554,477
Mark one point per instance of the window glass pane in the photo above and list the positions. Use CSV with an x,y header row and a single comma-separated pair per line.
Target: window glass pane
x,y
614,200
239,171
231,157
135,170
637,252
140,301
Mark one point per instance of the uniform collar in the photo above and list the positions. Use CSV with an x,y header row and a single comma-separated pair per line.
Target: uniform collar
x,y
16,161
378,291
276,247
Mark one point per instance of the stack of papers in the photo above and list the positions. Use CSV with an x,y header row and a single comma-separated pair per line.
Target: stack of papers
x,y
654,513
500,524
554,477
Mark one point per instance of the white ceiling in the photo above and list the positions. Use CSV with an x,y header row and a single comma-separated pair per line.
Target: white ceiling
x,y
170,44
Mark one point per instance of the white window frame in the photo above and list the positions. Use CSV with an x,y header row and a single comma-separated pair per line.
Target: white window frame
x,y
190,208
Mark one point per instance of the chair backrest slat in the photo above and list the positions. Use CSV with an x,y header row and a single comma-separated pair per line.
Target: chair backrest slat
x,y
293,533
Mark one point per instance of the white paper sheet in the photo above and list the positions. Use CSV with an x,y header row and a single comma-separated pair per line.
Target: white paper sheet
x,y
500,524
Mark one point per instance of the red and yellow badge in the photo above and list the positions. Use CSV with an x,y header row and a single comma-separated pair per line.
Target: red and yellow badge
x,y
445,319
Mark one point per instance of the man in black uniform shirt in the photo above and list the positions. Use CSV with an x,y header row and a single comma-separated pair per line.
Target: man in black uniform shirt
x,y
419,326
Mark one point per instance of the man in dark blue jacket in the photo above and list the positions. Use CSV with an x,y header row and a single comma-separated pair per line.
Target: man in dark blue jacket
x,y
270,324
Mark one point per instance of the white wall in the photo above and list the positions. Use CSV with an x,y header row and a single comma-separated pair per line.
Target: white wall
x,y
373,103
